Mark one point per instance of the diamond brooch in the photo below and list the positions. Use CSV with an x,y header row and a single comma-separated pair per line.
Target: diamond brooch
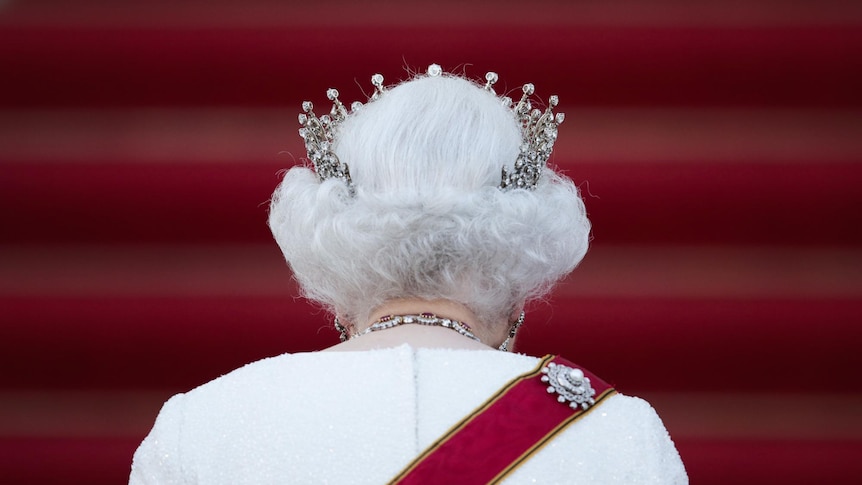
x,y
570,385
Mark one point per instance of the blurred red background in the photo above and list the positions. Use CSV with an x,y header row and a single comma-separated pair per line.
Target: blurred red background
x,y
717,144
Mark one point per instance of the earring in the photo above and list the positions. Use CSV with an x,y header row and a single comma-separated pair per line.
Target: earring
x,y
342,330
505,345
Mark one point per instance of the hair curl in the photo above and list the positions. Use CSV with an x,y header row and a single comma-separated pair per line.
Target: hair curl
x,y
427,219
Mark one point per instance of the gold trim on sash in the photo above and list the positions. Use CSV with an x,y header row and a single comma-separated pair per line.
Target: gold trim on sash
x,y
541,443
467,419
501,393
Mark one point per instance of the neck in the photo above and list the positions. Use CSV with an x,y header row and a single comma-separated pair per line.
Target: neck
x,y
420,335
441,308
407,306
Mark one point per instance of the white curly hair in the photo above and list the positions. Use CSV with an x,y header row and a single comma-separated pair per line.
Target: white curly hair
x,y
427,219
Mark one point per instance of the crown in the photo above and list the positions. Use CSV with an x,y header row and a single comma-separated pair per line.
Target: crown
x,y
538,133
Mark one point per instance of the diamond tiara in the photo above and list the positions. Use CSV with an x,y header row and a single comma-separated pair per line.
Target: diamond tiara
x,y
538,133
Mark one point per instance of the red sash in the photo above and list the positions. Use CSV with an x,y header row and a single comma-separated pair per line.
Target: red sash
x,y
502,433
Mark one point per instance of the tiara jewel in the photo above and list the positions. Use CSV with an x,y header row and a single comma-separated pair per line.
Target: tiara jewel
x,y
318,135
538,133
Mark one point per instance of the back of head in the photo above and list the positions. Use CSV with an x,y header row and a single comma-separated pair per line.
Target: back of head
x,y
429,135
426,217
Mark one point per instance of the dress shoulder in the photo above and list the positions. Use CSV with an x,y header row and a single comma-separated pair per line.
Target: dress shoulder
x,y
620,441
157,459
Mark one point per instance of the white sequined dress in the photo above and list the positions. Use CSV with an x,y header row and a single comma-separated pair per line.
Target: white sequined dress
x,y
360,417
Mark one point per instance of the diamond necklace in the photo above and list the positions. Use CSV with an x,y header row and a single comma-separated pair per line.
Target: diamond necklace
x,y
425,318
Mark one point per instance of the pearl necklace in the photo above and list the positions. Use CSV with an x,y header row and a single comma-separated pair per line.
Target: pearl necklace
x,y
429,319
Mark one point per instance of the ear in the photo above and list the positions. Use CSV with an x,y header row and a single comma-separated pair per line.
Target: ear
x,y
346,329
516,311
